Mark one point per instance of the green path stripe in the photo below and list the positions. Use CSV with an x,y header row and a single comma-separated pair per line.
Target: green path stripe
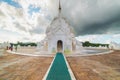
x,y
59,69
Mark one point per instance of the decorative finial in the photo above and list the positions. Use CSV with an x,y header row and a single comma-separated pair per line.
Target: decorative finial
x,y
59,6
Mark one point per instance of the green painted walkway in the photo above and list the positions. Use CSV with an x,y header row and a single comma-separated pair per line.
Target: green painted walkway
x,y
59,70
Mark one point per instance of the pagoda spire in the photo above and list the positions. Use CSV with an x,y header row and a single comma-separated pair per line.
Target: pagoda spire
x,y
59,7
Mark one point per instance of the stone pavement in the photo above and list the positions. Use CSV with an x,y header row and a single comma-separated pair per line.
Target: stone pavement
x,y
16,67
99,67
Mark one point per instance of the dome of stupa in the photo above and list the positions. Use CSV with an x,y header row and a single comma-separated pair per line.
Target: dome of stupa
x,y
58,23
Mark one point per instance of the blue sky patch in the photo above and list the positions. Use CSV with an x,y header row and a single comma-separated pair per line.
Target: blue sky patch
x,y
33,9
12,3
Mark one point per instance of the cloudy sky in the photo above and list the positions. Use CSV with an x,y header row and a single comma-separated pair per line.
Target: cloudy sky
x,y
92,20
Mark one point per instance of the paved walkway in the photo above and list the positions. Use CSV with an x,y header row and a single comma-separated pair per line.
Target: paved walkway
x,y
17,67
97,67
59,69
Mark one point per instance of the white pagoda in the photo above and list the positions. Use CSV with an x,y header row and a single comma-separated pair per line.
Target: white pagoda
x,y
59,36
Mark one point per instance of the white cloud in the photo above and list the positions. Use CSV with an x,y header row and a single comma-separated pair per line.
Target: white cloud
x,y
9,36
19,19
79,13
104,38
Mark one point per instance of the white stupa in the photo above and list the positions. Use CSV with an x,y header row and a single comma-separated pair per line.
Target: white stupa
x,y
114,45
59,36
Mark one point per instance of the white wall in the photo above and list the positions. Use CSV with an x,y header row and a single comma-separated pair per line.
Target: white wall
x,y
114,46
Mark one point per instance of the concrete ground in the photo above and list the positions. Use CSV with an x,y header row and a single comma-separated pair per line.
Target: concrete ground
x,y
17,67
98,67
